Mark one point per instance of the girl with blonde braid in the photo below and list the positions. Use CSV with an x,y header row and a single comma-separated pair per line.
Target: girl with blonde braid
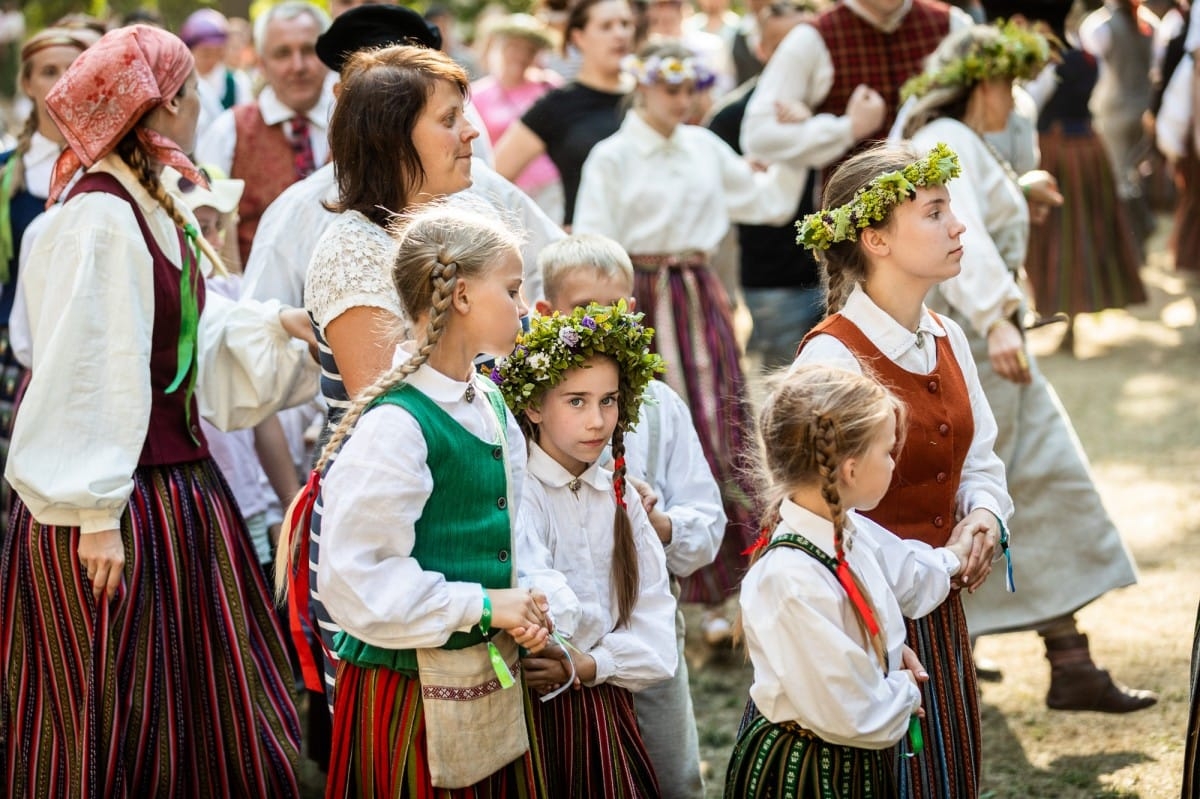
x,y
576,382
416,567
824,602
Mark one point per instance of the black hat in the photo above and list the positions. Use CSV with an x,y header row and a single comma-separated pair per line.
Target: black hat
x,y
369,26
1052,12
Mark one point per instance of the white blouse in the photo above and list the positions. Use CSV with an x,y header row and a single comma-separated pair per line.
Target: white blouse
x,y
983,483
352,268
572,530
373,495
812,661
90,303
679,194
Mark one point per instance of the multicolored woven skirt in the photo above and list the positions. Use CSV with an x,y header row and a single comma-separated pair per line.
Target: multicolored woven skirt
x,y
179,686
950,763
1185,239
1085,257
784,761
685,303
591,746
379,744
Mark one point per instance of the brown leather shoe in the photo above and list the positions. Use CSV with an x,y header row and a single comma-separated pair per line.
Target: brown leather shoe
x,y
1076,683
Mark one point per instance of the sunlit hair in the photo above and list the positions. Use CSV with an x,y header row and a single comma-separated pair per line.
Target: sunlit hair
x,y
287,10
600,255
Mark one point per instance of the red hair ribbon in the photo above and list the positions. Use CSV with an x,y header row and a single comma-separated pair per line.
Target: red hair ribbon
x,y
764,538
856,598
619,483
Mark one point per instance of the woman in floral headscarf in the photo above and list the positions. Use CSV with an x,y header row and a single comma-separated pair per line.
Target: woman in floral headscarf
x,y
141,653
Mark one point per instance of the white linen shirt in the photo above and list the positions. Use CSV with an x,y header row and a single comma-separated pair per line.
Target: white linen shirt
x,y
813,664
801,70
654,194
373,495
90,305
982,484
292,225
573,532
217,144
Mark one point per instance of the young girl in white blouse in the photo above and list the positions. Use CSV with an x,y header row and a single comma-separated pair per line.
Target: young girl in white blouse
x,y
576,381
823,606
667,192
417,566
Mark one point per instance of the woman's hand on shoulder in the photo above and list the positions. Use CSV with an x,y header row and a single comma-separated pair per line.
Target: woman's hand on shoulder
x,y
103,558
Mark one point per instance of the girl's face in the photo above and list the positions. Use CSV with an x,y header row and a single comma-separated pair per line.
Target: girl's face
x,y
442,138
577,417
865,480
608,35
210,225
43,70
493,306
665,106
923,236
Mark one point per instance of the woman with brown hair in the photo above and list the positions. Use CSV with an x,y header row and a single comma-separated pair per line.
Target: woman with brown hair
x,y
141,652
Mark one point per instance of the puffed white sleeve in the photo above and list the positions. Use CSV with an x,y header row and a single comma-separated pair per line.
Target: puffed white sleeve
x,y
599,195
83,421
753,197
800,71
371,585
535,559
919,575
687,489
643,652
250,367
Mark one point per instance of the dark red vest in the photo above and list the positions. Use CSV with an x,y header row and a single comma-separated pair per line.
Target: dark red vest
x,y
263,158
920,503
168,439
862,53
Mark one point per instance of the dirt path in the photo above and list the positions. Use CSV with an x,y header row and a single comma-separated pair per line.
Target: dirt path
x,y
1134,395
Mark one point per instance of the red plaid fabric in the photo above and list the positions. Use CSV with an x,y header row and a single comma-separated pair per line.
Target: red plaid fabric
x,y
862,53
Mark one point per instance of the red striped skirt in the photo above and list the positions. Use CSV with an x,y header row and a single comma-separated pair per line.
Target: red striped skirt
x,y
590,743
179,687
379,744
1085,257
689,310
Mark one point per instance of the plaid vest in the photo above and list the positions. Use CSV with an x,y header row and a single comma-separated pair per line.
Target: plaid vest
x,y
862,53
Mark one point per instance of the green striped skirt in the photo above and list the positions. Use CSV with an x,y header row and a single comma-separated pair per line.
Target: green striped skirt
x,y
785,761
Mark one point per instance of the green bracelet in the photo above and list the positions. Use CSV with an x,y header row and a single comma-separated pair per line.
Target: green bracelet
x,y
485,618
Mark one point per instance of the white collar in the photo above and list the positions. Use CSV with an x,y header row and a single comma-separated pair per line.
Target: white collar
x,y
274,111
892,338
887,25
440,388
819,530
41,150
646,139
551,473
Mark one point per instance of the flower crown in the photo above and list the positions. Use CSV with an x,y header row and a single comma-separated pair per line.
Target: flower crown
x,y
669,70
555,344
874,201
1018,53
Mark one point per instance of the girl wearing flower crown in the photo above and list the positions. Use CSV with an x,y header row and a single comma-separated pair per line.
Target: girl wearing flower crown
x,y
667,193
823,606
576,382
416,565
884,239
966,93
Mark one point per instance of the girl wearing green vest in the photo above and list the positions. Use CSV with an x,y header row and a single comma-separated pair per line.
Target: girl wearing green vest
x,y
416,565
576,382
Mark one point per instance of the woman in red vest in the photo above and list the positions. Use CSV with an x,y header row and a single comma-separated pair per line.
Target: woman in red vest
x,y
887,236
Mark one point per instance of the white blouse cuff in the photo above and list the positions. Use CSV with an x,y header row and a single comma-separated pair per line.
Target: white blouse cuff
x,y
99,521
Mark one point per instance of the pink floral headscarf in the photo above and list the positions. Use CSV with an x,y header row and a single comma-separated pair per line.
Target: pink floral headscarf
x,y
107,91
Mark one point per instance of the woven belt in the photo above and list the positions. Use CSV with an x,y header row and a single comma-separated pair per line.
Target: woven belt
x,y
796,729
657,261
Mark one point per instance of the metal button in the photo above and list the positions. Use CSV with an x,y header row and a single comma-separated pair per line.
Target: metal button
x,y
498,453
502,556
502,503
938,521
944,429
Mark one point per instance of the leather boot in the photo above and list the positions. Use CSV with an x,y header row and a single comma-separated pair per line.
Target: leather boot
x,y
1076,683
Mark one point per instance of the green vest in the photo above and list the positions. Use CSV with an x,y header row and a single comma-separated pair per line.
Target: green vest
x,y
464,531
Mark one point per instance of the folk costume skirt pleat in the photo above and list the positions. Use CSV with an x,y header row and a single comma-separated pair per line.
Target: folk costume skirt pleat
x,y
590,743
782,761
178,687
1085,257
950,764
379,744
13,380
685,303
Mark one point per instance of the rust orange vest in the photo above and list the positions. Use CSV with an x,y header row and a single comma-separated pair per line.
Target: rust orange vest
x,y
263,158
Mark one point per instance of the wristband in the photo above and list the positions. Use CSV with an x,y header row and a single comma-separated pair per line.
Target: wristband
x,y
485,618
1009,584
498,665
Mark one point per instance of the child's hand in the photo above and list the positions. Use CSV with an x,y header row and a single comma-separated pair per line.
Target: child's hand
x,y
548,672
911,665
533,639
981,529
659,520
514,608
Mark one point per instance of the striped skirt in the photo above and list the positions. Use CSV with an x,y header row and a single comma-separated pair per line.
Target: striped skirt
x,y
689,310
379,744
1185,239
590,743
774,761
13,380
178,687
1085,257
950,764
